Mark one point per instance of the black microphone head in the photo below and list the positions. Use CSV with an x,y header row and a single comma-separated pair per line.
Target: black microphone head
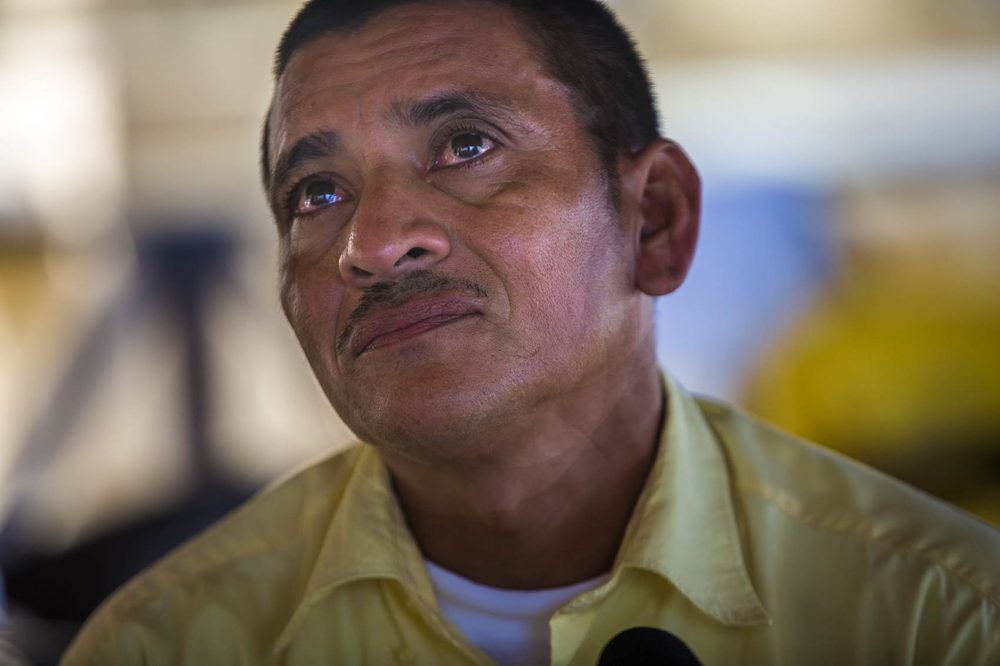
x,y
646,645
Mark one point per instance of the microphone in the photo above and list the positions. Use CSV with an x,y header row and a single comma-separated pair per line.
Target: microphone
x,y
639,646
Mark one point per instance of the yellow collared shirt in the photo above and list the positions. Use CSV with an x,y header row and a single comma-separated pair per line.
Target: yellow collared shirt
x,y
752,547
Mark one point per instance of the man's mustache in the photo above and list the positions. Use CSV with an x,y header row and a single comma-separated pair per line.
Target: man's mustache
x,y
386,295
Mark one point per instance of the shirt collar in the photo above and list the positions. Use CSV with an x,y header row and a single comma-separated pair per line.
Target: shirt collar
x,y
369,537
684,528
366,538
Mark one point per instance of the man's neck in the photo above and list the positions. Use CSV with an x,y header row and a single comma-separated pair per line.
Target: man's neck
x,y
555,513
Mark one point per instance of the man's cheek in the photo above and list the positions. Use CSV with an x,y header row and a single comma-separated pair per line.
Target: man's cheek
x,y
291,304
477,187
303,312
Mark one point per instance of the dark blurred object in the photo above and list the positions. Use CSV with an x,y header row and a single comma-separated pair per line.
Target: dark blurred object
x,y
52,594
646,645
176,274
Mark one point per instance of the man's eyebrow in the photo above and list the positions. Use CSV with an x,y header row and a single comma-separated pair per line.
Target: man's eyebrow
x,y
418,112
316,145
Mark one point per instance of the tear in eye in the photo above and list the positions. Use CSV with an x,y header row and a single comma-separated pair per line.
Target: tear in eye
x,y
464,146
318,194
468,145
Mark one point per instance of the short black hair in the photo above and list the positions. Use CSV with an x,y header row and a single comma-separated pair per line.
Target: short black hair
x,y
579,42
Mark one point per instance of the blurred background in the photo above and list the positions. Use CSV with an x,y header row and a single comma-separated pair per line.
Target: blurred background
x,y
847,287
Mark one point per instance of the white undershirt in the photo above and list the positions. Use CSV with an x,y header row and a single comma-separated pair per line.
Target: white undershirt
x,y
511,626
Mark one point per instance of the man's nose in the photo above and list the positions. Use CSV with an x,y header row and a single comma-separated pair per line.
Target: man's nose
x,y
393,232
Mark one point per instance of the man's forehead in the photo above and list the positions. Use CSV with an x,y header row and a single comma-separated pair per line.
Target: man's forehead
x,y
404,57
417,31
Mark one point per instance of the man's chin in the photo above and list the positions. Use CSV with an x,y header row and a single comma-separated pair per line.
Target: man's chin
x,y
416,436
435,420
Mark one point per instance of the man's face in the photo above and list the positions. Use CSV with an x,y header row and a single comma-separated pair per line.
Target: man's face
x,y
450,258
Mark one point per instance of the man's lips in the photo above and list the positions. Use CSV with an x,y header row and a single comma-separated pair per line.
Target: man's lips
x,y
384,328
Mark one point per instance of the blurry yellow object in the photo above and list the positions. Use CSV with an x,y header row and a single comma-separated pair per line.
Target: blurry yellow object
x,y
899,365
24,282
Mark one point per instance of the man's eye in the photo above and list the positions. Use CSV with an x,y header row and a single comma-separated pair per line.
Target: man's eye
x,y
316,195
464,147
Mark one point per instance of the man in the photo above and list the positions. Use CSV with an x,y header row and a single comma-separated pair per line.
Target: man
x,y
475,212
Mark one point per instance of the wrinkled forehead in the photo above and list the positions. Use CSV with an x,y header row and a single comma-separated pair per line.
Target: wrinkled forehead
x,y
443,40
407,51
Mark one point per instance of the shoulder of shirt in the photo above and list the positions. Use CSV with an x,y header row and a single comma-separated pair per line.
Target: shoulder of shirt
x,y
828,491
265,523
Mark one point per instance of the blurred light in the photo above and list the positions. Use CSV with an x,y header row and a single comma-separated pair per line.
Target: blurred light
x,y
39,6
836,121
59,128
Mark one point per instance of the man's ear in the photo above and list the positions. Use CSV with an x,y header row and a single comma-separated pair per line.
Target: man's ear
x,y
665,192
